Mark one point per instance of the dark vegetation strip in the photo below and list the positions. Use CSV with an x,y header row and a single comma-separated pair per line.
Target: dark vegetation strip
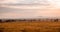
x,y
29,20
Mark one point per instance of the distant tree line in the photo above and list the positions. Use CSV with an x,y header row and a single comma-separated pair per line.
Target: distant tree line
x,y
13,20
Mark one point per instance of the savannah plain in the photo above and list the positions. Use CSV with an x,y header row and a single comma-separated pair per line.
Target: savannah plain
x,y
30,26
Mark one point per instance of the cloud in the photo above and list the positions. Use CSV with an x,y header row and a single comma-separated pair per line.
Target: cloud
x,y
17,13
55,3
24,2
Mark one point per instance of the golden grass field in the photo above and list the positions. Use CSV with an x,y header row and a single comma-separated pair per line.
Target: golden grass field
x,y
30,26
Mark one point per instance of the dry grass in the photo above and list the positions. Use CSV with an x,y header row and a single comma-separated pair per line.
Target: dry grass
x,y
30,27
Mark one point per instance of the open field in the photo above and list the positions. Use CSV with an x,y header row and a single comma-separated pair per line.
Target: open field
x,y
30,26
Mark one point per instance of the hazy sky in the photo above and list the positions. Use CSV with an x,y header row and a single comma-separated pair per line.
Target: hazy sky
x,y
51,10
24,1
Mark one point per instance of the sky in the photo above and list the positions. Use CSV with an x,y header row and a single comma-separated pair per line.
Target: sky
x,y
44,9
22,1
